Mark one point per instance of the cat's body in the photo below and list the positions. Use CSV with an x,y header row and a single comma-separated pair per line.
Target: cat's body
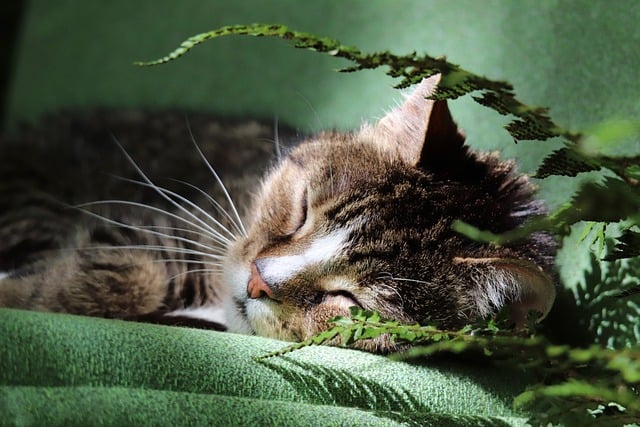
x,y
361,218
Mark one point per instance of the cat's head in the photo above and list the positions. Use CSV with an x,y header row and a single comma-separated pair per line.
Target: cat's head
x,y
364,219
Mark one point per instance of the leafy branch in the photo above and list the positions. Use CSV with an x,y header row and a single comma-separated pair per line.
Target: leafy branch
x,y
575,384
614,200
530,123
363,325
585,153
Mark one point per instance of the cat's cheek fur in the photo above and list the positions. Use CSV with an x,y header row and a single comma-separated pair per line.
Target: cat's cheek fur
x,y
293,323
318,317
235,279
269,321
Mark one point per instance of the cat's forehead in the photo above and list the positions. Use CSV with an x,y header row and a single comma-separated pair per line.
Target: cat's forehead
x,y
349,154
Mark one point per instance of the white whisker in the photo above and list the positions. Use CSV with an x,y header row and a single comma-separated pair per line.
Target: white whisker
x,y
214,235
213,202
276,136
155,233
157,189
313,110
151,248
177,229
188,202
203,270
402,279
394,291
219,181
185,261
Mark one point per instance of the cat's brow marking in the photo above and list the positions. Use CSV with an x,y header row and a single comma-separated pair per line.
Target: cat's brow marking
x,y
281,268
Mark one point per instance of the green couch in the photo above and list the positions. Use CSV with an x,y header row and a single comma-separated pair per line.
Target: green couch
x,y
63,370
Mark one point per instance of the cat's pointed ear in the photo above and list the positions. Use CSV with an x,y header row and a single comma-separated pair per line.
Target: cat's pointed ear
x,y
518,284
422,130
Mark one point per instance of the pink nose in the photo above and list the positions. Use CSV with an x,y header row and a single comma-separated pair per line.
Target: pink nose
x,y
257,287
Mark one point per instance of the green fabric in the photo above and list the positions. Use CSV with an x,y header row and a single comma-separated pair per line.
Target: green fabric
x,y
69,370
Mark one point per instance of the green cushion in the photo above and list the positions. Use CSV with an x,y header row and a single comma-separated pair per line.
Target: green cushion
x,y
61,369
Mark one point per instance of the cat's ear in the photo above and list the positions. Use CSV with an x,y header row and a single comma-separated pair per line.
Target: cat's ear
x,y
422,130
518,284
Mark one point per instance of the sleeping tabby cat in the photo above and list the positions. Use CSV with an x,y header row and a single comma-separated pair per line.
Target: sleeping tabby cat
x,y
359,218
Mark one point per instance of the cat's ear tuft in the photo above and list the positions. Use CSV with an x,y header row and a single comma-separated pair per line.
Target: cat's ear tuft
x,y
517,284
422,130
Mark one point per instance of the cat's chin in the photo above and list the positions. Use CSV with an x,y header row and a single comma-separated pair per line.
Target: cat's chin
x,y
273,319
249,316
264,316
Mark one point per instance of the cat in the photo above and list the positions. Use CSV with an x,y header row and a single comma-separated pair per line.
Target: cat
x,y
344,219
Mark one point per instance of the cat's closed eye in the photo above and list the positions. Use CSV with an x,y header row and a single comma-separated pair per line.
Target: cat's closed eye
x,y
299,215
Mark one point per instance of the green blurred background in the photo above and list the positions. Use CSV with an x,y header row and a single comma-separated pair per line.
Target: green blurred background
x,y
579,58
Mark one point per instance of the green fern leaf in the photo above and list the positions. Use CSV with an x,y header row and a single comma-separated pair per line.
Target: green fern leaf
x,y
611,201
530,123
627,246
566,162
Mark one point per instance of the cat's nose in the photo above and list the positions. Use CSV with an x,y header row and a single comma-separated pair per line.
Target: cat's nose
x,y
257,287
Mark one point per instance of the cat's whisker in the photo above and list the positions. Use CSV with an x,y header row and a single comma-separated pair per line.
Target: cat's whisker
x,y
219,181
213,202
216,236
200,270
238,222
394,291
151,248
164,260
157,233
313,110
177,229
382,286
168,192
402,279
155,187
169,249
186,261
276,136
209,249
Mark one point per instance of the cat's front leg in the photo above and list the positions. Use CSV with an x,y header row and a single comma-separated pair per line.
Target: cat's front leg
x,y
96,282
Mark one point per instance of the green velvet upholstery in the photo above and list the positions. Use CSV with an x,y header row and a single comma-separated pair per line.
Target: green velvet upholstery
x,y
70,370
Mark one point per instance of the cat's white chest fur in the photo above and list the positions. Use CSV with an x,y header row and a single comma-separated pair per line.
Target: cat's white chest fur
x,y
211,313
